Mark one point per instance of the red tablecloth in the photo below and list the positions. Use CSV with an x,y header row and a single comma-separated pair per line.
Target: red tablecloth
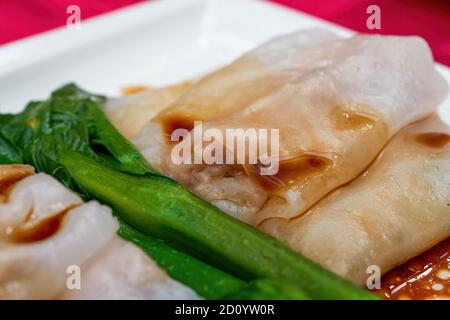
x,y
429,19
22,18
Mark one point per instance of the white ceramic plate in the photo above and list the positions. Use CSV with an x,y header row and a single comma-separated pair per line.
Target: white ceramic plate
x,y
157,43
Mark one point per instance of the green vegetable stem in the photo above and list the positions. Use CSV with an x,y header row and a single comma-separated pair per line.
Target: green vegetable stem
x,y
162,208
207,281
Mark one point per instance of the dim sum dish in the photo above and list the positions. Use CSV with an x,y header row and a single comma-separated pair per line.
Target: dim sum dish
x,y
311,167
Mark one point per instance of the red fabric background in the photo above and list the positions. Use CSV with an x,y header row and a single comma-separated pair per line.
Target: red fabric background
x,y
428,18
22,18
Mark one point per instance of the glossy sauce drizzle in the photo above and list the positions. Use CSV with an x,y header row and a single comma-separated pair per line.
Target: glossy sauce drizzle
x,y
349,120
290,171
426,276
433,139
175,121
10,175
41,230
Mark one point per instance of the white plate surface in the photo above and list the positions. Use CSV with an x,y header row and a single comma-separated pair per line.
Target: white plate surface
x,y
157,43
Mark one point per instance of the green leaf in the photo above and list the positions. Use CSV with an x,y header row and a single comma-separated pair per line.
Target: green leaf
x,y
207,281
70,120
9,153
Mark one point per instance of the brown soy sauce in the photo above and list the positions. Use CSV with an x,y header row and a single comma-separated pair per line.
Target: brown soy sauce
x,y
427,276
40,230
435,140
290,171
172,122
10,176
349,120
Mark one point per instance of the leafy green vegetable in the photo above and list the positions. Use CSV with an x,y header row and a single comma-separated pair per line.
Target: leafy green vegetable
x,y
9,153
160,207
70,120
207,281
267,289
